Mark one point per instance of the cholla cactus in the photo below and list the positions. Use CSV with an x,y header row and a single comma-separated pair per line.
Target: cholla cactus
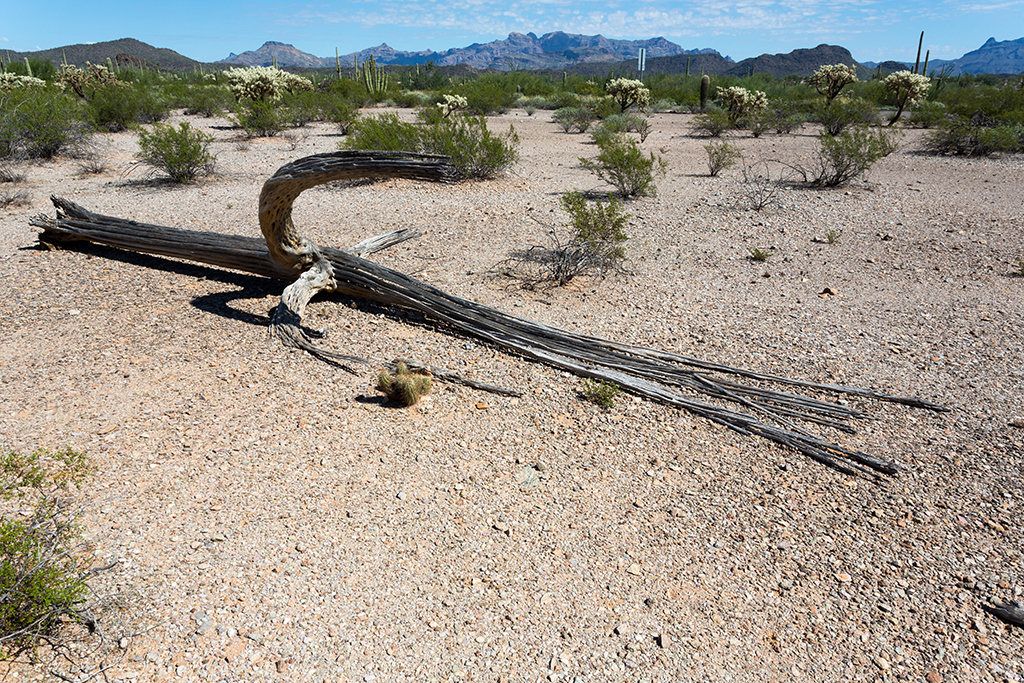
x,y
263,83
740,101
830,79
85,81
628,91
908,88
452,103
9,82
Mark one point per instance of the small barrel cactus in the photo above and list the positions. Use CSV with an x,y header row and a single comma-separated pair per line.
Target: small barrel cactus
x,y
404,387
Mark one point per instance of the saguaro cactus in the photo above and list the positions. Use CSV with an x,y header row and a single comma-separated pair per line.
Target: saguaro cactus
x,y
705,90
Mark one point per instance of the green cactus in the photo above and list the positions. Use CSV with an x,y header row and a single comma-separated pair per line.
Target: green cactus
x,y
404,386
374,78
705,90
687,66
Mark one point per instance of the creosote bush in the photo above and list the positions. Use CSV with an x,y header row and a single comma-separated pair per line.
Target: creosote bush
x,y
721,156
404,387
182,152
850,154
623,164
595,244
42,569
476,151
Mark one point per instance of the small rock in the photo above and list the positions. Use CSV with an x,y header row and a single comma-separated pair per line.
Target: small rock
x,y
933,677
882,663
843,577
622,629
634,569
204,628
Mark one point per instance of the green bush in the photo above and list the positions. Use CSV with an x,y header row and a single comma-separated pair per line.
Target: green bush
x,y
206,100
116,107
600,392
340,111
627,123
712,123
927,115
40,123
958,135
42,570
486,95
844,157
623,164
180,152
385,132
595,244
574,119
300,108
721,156
840,114
476,151
258,118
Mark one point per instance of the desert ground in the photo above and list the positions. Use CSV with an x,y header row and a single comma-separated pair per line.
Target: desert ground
x,y
271,518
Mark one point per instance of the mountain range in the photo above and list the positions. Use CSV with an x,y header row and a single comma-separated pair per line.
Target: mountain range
x,y
590,55
555,50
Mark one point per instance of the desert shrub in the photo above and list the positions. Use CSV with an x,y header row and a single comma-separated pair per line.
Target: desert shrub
x,y
340,111
601,393
36,68
721,156
116,107
40,123
603,107
760,187
384,132
206,100
623,164
595,244
486,96
627,123
844,157
42,569
404,387
712,123
574,119
564,98
300,108
628,93
535,103
182,152
258,118
840,114
1001,139
474,149
927,115
785,115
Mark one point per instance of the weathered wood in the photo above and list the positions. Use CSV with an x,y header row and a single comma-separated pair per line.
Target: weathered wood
x,y
658,375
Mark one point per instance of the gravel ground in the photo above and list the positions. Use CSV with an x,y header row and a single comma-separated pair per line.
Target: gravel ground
x,y
273,519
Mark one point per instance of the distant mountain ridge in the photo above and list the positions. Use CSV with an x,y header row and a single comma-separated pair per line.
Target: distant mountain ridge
x,y
590,55
554,50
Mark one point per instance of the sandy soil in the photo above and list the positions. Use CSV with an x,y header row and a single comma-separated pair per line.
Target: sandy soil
x,y
273,519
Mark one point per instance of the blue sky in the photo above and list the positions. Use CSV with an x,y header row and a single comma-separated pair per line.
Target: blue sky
x,y
208,31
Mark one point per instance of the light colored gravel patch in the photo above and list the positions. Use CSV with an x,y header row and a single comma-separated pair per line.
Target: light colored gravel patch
x,y
276,521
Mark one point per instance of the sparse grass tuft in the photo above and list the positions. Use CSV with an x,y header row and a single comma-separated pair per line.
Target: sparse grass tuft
x,y
601,393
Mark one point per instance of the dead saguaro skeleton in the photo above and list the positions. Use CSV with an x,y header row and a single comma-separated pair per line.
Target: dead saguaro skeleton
x,y
662,376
